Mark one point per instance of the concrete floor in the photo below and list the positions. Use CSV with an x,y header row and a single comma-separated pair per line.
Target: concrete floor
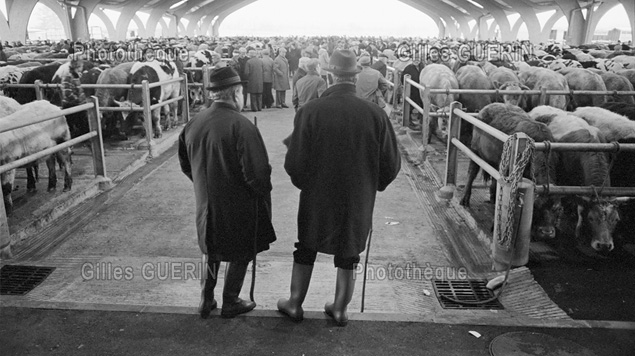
x,y
136,248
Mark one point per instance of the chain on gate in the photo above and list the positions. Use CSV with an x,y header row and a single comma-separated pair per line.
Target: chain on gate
x,y
512,178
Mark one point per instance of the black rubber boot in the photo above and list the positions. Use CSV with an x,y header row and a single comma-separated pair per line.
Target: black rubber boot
x,y
344,287
234,278
208,283
300,280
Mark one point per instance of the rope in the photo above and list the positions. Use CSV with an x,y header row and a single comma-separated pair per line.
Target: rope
x,y
514,177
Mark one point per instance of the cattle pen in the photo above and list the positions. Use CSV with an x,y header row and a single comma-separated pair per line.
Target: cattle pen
x,y
520,142
96,141
146,107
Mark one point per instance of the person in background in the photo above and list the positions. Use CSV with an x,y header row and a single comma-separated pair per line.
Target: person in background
x,y
293,57
254,71
370,83
242,62
225,157
267,77
309,87
281,78
342,151
323,57
414,69
381,64
301,72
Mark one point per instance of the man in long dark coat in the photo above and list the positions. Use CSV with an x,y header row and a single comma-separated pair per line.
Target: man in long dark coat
x,y
341,152
254,69
224,155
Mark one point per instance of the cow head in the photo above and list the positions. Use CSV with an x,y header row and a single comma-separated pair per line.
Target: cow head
x,y
546,216
596,223
128,105
513,99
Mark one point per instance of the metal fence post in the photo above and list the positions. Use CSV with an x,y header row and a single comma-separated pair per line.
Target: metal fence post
x,y
405,113
451,163
39,95
206,85
543,96
5,237
185,104
147,116
97,143
425,116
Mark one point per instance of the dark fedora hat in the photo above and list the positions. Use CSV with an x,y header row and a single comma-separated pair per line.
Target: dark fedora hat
x,y
343,62
224,77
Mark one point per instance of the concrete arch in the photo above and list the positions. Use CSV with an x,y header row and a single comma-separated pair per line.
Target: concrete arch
x,y
164,28
128,12
528,15
110,28
629,6
546,29
4,27
598,14
516,27
157,14
140,26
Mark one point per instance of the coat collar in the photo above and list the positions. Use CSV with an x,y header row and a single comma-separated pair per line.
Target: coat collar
x,y
220,104
340,89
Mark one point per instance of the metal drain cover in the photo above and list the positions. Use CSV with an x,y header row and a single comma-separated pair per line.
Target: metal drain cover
x,y
451,292
528,344
19,280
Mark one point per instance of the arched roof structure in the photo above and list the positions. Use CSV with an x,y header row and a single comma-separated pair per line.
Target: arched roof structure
x,y
456,18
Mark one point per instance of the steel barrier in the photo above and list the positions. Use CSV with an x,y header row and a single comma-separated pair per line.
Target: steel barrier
x,y
146,107
97,146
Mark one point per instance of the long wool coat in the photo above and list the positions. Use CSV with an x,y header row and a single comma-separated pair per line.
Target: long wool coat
x,y
341,152
254,69
224,155
281,74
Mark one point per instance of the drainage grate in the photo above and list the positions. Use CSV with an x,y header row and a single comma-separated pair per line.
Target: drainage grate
x,y
19,280
469,290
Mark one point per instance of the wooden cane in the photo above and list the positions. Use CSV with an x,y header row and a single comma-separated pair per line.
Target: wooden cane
x,y
370,235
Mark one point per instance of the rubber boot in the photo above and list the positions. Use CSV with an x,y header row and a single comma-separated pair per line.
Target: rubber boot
x,y
344,287
208,283
300,280
234,278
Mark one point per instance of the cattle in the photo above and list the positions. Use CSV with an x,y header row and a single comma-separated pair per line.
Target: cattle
x,y
199,59
22,142
43,73
616,83
439,76
583,79
589,221
472,77
107,97
155,71
504,79
9,75
628,74
559,64
608,65
538,78
627,62
511,119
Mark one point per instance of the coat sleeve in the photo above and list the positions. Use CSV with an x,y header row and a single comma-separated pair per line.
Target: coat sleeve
x,y
276,67
389,156
254,160
299,153
184,159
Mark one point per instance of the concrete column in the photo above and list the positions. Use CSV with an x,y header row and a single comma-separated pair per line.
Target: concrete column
x,y
110,28
4,28
140,27
516,27
629,6
546,29
19,12
165,30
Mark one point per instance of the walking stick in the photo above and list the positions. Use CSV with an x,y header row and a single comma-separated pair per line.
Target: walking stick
x,y
370,236
253,265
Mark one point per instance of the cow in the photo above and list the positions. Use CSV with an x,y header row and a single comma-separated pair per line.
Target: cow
x,y
587,220
472,77
113,121
537,78
511,119
628,62
43,73
9,75
199,59
559,64
628,74
439,76
617,83
608,65
504,79
583,79
24,141
154,71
